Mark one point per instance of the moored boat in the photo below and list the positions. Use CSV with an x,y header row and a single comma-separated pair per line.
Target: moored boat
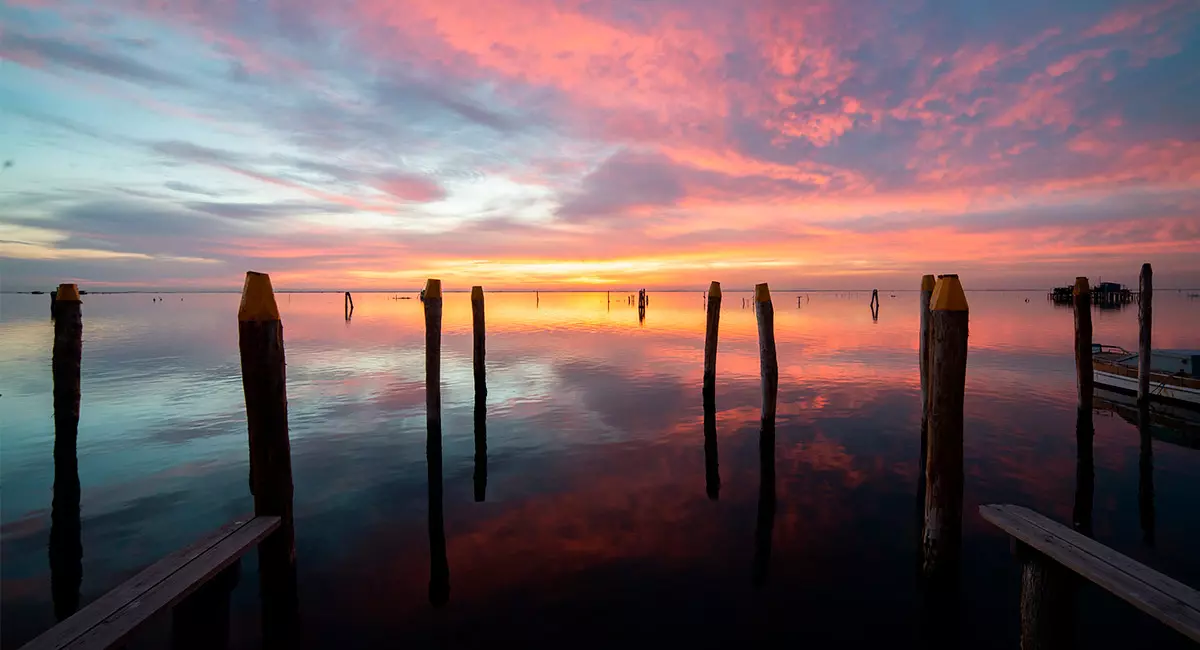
x,y
1173,373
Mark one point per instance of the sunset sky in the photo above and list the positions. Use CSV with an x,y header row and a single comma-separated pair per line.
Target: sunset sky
x,y
599,143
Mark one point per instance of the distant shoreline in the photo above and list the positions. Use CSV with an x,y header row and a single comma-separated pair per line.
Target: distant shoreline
x,y
468,290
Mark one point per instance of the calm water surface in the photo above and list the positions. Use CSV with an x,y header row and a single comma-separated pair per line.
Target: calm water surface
x,y
596,526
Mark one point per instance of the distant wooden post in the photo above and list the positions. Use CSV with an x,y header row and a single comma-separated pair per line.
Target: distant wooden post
x,y
479,336
1083,343
710,338
349,306
947,382
66,545
1046,589
767,363
1145,321
264,382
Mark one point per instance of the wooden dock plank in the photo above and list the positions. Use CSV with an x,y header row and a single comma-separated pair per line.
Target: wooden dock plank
x,y
114,615
1160,596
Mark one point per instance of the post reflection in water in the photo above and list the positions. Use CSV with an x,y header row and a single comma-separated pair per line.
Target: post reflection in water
x,y
1085,472
66,545
712,473
481,469
764,525
1146,477
439,566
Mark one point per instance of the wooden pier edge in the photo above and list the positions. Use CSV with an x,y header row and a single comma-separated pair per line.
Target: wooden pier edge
x,y
1166,599
111,618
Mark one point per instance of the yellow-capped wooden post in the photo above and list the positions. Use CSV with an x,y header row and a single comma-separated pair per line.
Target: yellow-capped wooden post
x,y
942,536
264,382
439,567
767,362
710,338
1082,296
479,350
1145,322
66,545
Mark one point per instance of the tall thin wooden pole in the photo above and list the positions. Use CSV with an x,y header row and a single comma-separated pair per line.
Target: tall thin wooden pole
x,y
767,362
264,382
1083,343
66,545
478,355
439,566
927,283
349,306
947,386
1145,322
710,338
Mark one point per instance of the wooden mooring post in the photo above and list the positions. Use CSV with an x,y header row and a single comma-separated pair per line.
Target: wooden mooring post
x,y
66,545
712,326
349,306
1082,297
264,382
439,566
927,282
1145,322
479,337
942,536
767,362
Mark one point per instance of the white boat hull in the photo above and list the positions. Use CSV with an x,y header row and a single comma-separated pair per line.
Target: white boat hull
x,y
1157,390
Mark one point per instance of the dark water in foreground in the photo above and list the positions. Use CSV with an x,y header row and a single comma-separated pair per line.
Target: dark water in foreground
x,y
596,528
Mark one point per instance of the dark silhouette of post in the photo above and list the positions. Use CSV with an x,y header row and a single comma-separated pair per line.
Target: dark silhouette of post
x,y
66,545
1145,321
1085,472
439,566
479,350
767,363
1046,593
1146,477
712,473
948,325
1082,296
201,621
264,382
764,525
710,338
349,306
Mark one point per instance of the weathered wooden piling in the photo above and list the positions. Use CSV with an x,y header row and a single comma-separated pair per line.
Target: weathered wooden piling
x,y
264,382
767,363
927,282
1083,344
1046,594
1145,322
66,546
349,306
439,567
710,338
478,356
948,325
479,338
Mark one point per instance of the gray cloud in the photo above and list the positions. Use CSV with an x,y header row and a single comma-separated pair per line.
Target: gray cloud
x,y
188,188
16,45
